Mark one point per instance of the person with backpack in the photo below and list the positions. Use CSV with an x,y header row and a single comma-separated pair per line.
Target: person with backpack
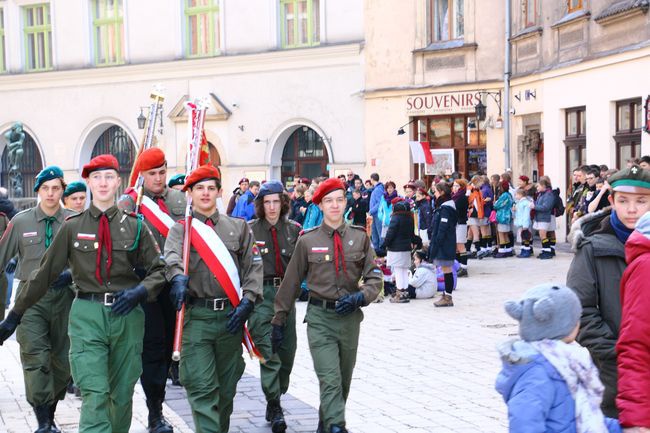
x,y
503,207
544,218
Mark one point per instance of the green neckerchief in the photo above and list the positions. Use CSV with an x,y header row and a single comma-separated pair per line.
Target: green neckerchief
x,y
48,230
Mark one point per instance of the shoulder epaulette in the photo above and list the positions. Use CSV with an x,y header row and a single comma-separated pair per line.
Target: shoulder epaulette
x,y
23,211
295,223
74,215
363,229
305,231
3,214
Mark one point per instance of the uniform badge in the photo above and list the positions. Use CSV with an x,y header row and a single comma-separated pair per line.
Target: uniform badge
x,y
86,236
76,244
319,249
256,253
29,234
351,242
327,257
96,245
260,243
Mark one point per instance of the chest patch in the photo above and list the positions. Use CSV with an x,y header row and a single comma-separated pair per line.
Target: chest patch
x,y
319,249
260,243
29,234
86,236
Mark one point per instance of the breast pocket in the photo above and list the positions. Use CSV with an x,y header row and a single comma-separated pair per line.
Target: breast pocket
x,y
354,263
320,266
177,212
33,248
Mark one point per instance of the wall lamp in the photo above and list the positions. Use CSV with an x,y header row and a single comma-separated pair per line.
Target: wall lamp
x,y
401,131
481,109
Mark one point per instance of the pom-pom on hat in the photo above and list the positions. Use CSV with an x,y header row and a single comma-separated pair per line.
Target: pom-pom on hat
x,y
204,172
100,162
48,173
177,179
268,188
546,312
326,187
74,187
151,158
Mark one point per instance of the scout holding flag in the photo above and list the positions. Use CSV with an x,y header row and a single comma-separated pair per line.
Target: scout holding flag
x,y
276,238
337,260
103,247
42,333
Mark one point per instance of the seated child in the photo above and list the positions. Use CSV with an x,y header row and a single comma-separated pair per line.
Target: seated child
x,y
549,381
423,283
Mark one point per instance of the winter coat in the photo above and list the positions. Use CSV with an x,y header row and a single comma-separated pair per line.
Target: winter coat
x,y
522,213
245,208
7,208
313,216
544,206
236,193
462,204
385,211
633,347
595,275
400,234
442,232
296,215
476,205
425,281
375,199
503,206
425,213
537,396
359,211
487,193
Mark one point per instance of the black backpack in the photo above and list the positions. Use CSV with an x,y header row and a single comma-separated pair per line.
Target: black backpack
x,y
558,204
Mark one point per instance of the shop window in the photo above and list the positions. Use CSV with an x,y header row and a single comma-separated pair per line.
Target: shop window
x,y
3,66
299,23
574,5
529,13
108,32
629,121
202,28
447,19
116,142
37,30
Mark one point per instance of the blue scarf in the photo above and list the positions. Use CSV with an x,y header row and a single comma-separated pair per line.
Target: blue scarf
x,y
622,232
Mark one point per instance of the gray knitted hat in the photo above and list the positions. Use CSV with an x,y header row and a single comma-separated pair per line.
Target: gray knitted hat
x,y
545,312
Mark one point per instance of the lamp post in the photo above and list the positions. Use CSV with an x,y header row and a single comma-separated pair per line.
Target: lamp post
x,y
142,119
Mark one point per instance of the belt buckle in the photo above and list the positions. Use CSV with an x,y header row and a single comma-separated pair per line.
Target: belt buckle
x,y
109,299
217,305
277,281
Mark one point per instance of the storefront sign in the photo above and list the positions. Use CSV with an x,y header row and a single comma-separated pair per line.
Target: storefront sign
x,y
442,103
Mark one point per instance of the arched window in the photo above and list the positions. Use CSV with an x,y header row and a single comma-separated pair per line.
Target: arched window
x,y
31,165
304,155
116,142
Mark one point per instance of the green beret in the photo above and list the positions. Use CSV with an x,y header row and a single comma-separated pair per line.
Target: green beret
x,y
634,180
177,179
48,173
74,187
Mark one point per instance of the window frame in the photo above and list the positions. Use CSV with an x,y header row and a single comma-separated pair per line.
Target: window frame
x,y
46,29
213,9
115,20
630,137
579,6
452,6
3,64
311,25
525,4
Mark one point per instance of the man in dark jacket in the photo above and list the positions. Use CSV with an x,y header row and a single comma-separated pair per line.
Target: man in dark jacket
x,y
359,209
237,192
595,274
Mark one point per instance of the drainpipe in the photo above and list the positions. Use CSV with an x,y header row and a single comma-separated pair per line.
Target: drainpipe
x,y
506,85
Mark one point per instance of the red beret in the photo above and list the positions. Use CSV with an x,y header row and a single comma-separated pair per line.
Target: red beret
x,y
422,191
100,162
327,186
243,180
505,185
204,172
151,158
396,200
524,178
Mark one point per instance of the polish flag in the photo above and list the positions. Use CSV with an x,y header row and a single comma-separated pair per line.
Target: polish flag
x,y
421,152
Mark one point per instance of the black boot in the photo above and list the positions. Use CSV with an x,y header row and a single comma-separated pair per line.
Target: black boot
x,y
174,374
157,422
53,427
275,416
43,417
336,429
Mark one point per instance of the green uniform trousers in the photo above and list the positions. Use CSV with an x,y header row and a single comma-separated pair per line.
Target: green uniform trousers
x,y
210,367
4,284
44,345
106,361
277,369
333,341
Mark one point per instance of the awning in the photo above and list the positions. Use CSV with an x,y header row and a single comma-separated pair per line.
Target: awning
x,y
421,152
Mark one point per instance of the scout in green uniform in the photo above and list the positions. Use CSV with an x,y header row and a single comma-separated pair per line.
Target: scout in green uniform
x,y
276,238
74,196
159,316
42,334
4,223
103,246
211,354
337,261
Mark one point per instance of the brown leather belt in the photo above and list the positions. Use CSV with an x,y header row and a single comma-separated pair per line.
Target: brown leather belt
x,y
330,305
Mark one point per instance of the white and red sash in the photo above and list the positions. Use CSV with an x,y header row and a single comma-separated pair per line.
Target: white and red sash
x,y
217,258
152,213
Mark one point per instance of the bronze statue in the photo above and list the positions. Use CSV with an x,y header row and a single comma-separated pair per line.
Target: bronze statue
x,y
15,139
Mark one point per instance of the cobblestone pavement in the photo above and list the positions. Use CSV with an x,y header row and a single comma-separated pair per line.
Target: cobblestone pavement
x,y
419,369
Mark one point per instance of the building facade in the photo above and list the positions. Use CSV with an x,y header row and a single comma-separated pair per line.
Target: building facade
x,y
283,82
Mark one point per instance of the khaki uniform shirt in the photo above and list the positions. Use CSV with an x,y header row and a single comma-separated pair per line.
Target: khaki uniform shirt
x,y
76,245
287,234
313,259
238,239
25,236
174,200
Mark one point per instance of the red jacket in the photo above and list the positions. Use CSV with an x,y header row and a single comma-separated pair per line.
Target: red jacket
x,y
633,346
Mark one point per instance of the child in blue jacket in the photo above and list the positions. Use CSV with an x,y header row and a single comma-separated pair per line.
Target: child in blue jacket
x,y
549,381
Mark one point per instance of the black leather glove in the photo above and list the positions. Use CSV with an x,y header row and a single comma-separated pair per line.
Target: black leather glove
x,y
64,279
11,266
127,300
346,304
9,325
239,315
178,290
277,337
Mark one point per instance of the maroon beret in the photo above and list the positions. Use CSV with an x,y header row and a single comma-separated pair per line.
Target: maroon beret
x,y
327,186
204,172
100,162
